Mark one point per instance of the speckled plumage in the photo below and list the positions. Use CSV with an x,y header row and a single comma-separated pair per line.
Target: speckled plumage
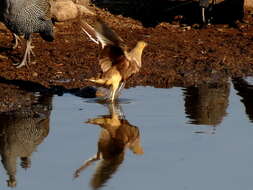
x,y
21,132
25,17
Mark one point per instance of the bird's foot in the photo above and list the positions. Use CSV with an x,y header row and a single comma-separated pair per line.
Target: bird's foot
x,y
92,79
31,50
24,62
15,46
16,41
19,65
29,53
27,57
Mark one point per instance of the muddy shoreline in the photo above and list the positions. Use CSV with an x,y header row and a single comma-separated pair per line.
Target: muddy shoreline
x,y
176,55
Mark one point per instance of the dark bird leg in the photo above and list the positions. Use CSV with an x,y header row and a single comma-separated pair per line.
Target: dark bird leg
x,y
28,51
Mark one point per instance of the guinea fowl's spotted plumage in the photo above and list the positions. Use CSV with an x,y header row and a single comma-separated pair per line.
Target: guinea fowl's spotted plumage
x,y
25,17
31,16
20,134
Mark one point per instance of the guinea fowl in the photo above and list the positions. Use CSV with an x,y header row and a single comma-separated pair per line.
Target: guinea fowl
x,y
116,62
25,17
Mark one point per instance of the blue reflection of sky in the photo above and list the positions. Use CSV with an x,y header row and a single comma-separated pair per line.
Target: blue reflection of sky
x,y
175,157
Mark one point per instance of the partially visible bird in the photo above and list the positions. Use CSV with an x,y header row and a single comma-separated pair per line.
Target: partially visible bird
x,y
205,6
25,17
21,132
116,62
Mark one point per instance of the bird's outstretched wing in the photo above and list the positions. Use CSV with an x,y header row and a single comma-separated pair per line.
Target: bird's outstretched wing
x,y
107,34
112,45
90,31
101,33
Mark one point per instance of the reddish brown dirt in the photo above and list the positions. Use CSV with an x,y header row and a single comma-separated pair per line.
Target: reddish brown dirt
x,y
175,55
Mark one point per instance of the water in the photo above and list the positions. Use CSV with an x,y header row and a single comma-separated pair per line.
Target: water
x,y
180,138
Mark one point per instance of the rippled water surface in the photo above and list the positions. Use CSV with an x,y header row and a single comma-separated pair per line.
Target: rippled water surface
x,y
180,138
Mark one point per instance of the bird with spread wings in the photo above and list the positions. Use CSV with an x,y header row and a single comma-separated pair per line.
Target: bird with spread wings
x,y
116,62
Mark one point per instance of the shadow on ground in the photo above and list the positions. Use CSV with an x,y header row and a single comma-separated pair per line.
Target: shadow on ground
x,y
153,12
19,94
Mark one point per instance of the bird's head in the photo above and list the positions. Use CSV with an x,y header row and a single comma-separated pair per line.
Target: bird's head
x,y
141,44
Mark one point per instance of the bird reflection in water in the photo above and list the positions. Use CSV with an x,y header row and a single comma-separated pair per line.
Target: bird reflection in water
x,y
207,103
116,135
245,90
20,134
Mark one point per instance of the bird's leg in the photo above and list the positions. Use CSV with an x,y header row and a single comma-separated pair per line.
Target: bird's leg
x,y
203,11
99,81
204,4
112,96
111,92
115,86
87,163
16,39
28,51
12,182
115,110
30,47
122,85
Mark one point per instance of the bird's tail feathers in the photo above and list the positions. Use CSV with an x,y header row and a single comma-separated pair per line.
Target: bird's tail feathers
x,y
47,37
